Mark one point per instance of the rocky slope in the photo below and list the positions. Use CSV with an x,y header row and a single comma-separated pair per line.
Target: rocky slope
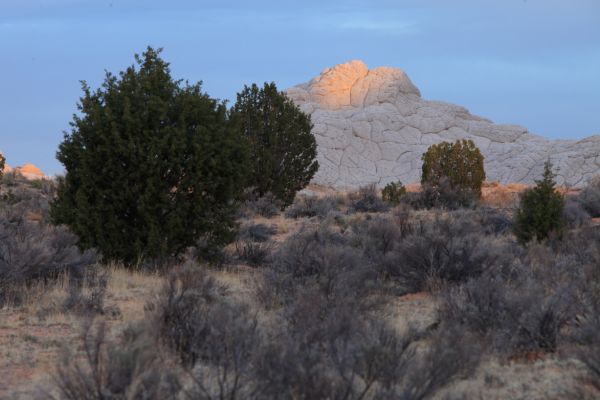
x,y
372,126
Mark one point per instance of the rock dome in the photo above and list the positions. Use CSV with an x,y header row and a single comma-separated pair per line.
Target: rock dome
x,y
372,126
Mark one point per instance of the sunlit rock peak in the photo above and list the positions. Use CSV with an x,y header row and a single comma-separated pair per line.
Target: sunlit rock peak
x,y
353,85
372,126
27,171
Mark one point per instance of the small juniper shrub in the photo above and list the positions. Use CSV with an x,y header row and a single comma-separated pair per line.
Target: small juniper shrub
x,y
312,206
367,199
392,193
541,211
459,163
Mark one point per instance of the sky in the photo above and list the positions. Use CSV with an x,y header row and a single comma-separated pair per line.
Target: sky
x,y
534,63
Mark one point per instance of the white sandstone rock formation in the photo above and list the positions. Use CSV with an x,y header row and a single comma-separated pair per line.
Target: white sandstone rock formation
x,y
372,126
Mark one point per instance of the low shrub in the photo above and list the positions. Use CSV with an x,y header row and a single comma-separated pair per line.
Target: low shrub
x,y
517,311
180,307
445,250
130,369
587,334
443,195
213,336
494,221
377,235
31,252
367,199
252,253
491,221
256,232
392,193
329,350
590,198
226,340
575,214
321,260
266,206
86,294
312,206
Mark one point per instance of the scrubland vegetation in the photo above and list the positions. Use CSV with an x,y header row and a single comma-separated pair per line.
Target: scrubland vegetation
x,y
187,280
309,302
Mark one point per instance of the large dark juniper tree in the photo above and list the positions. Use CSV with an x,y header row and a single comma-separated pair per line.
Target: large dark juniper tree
x,y
282,147
152,166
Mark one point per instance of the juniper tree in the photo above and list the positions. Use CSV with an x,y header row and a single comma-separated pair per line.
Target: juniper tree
x,y
152,165
282,147
461,163
2,161
393,192
541,210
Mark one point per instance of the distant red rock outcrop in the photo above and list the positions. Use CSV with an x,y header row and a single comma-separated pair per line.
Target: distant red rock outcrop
x,y
27,171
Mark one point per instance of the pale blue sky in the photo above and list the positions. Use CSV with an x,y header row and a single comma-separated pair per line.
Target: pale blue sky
x,y
529,62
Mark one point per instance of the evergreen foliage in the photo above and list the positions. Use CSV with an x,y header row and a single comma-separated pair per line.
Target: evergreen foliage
x,y
541,210
2,161
393,192
461,163
282,147
152,165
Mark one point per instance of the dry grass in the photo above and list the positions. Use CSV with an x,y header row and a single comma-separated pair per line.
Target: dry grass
x,y
33,335
497,195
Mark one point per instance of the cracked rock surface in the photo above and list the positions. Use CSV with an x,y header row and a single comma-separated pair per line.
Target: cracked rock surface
x,y
372,126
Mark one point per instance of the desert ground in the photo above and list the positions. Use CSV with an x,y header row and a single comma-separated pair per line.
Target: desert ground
x,y
42,330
